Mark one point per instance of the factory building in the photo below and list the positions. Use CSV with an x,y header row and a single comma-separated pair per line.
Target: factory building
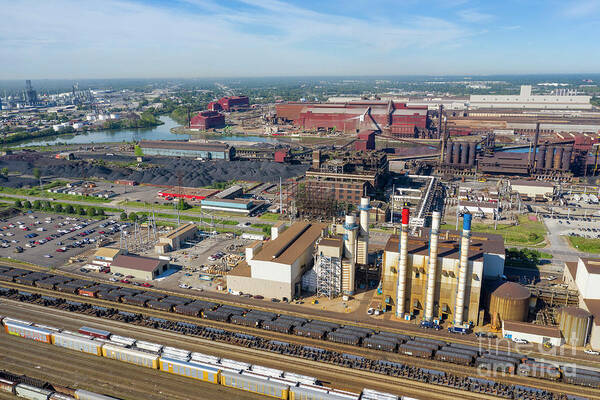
x,y
146,268
276,269
482,209
438,275
532,189
584,275
347,177
174,239
388,117
365,141
234,103
195,194
539,334
205,120
561,101
334,271
237,206
180,148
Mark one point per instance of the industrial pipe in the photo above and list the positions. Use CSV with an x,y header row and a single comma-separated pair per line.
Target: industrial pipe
x,y
432,268
350,243
403,263
364,217
464,153
463,270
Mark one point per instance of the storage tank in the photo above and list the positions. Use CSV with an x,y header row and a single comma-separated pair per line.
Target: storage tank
x,y
558,158
549,158
455,153
566,160
575,324
464,153
472,151
540,156
509,302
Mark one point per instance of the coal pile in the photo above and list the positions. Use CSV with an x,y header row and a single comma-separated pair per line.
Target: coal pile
x,y
163,171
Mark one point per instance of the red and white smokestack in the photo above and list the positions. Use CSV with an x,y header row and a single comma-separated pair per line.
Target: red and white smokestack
x,y
403,263
432,267
463,271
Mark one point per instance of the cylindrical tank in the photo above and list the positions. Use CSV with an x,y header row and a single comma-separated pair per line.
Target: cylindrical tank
x,y
549,158
566,160
575,324
464,153
455,153
558,158
448,158
539,158
510,302
472,150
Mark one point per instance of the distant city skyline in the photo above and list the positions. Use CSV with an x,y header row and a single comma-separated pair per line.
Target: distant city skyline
x,y
66,39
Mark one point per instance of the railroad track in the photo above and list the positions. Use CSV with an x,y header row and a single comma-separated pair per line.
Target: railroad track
x,y
339,376
458,370
371,325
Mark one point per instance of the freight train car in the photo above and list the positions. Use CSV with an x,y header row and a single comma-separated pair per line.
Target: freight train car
x,y
539,370
85,395
97,333
136,357
28,331
32,392
77,343
7,386
189,369
254,384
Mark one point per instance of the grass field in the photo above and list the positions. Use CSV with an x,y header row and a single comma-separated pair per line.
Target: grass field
x,y
584,244
527,233
37,192
269,217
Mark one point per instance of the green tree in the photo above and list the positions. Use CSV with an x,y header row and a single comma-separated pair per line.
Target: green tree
x,y
183,205
18,204
58,208
27,204
99,211
46,206
123,216
91,212
133,216
4,171
138,151
37,204
69,209
37,173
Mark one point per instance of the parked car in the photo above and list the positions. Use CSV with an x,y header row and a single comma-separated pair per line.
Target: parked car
x,y
519,341
591,352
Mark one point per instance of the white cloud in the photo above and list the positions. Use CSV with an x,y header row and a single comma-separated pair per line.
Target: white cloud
x,y
122,38
474,16
581,8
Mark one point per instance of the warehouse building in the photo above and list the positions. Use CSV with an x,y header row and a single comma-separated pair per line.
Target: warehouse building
x,y
276,269
237,206
139,267
584,275
539,334
174,239
413,285
180,148
532,189
103,257
562,100
230,193
388,117
205,120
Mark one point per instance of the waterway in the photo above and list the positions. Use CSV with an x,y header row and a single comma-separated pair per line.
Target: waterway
x,y
161,132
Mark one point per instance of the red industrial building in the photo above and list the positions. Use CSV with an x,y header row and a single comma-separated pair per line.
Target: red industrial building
x,y
234,103
282,156
387,117
366,141
214,106
205,120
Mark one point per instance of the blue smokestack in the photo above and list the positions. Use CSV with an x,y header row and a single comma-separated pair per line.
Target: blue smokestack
x,y
467,222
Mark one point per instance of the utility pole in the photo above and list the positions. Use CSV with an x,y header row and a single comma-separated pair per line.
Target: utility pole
x,y
280,198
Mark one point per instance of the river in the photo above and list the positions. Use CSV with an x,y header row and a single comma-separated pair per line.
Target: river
x,y
161,132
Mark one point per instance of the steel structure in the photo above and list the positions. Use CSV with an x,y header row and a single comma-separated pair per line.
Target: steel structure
x,y
329,276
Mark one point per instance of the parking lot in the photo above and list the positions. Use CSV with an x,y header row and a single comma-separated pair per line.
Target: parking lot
x,y
573,226
48,239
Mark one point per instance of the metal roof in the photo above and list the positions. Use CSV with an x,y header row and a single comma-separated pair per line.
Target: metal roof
x,y
524,327
290,244
512,290
137,263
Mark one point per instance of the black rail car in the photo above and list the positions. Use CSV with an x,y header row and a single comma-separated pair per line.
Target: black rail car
x,y
339,337
415,351
490,364
309,330
452,357
380,344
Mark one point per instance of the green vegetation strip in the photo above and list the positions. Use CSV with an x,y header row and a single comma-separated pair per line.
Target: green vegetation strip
x,y
36,192
585,245
269,217
526,233
140,204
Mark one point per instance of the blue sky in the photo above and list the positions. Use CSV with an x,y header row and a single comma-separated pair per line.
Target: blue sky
x,y
222,38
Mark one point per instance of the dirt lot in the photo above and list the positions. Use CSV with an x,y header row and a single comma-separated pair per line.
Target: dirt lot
x,y
43,225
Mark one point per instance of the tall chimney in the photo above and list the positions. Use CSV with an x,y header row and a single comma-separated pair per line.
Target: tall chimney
x,y
432,268
463,270
536,139
364,217
403,263
350,243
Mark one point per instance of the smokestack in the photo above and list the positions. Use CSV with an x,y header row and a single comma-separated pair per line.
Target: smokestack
x,y
536,138
403,263
464,267
350,242
364,217
432,268
441,135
